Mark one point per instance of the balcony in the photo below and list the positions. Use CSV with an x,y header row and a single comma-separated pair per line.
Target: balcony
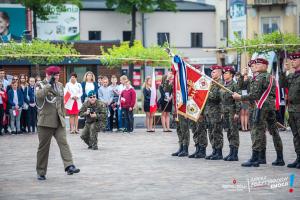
x,y
269,2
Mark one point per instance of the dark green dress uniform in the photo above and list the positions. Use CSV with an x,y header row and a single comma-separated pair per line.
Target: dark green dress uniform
x,y
183,134
200,138
292,82
212,113
93,125
270,122
51,122
230,107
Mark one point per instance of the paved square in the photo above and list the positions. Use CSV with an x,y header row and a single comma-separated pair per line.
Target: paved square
x,y
139,166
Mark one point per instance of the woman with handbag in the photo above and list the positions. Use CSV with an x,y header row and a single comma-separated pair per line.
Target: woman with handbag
x,y
73,102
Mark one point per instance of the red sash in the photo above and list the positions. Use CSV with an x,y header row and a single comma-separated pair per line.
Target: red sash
x,y
265,95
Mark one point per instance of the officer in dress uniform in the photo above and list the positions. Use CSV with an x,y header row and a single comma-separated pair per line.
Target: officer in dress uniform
x,y
51,122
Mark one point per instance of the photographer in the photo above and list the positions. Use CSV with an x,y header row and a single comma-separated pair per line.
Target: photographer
x,y
94,112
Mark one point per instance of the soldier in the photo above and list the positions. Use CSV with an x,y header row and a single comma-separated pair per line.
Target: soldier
x,y
262,88
213,115
183,134
199,137
51,122
270,120
230,112
292,82
94,112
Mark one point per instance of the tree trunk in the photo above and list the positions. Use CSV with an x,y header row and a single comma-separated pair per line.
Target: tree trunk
x,y
132,38
34,25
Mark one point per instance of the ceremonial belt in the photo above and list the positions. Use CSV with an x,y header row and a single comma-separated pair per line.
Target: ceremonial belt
x,y
265,95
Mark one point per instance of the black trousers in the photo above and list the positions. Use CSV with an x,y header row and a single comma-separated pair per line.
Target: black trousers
x,y
128,117
24,120
111,118
31,118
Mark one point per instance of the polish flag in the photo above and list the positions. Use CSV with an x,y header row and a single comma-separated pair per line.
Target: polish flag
x,y
277,91
153,105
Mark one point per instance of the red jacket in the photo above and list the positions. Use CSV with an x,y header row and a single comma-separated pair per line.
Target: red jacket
x,y
4,98
128,98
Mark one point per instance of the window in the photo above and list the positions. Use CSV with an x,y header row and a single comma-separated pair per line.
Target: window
x,y
163,38
196,39
223,29
269,24
126,35
94,35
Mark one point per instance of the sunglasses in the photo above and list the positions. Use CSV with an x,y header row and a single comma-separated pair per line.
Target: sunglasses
x,y
92,97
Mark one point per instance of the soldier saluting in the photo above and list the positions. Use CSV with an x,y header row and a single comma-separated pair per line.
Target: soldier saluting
x,y
51,122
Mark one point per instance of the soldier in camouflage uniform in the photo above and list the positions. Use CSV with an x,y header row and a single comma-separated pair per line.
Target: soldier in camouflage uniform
x,y
183,134
230,111
270,120
94,112
213,116
261,84
292,82
199,137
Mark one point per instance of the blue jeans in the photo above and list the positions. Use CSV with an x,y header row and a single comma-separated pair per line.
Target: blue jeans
x,y
120,120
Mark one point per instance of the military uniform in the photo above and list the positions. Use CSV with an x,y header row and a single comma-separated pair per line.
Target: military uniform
x,y
292,82
183,134
200,138
230,107
51,122
214,122
93,125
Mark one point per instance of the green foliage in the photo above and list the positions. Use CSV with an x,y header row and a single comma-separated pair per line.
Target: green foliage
x,y
275,41
36,52
144,6
43,8
137,54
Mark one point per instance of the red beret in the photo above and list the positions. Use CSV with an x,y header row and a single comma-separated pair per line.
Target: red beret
x,y
251,62
229,69
294,56
213,67
262,61
52,70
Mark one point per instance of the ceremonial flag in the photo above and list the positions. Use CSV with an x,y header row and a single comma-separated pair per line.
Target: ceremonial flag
x,y
192,91
68,100
153,104
277,101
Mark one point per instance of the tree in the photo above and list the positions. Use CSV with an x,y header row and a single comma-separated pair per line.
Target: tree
x,y
132,7
42,8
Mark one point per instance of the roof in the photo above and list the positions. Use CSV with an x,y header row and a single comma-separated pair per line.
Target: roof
x,y
182,5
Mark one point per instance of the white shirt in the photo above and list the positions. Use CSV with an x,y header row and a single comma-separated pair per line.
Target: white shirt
x,y
76,91
89,87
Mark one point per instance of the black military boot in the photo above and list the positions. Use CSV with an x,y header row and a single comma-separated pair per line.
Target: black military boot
x,y
253,162
234,155
262,157
179,150
196,151
230,153
295,163
201,153
279,160
72,170
184,152
218,155
211,155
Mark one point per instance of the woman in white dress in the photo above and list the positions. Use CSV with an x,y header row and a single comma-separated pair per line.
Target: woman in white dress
x,y
73,93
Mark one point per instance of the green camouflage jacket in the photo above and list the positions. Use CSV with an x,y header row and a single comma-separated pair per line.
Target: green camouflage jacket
x,y
292,82
228,103
213,103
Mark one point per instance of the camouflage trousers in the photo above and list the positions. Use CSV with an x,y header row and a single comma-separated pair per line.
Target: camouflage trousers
x,y
270,120
199,133
90,134
233,130
215,132
183,132
294,122
258,131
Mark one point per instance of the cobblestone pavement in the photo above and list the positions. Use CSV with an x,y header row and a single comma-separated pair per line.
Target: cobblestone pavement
x,y
139,166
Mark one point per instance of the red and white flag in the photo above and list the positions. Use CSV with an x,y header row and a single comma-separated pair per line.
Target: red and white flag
x,y
277,92
153,104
